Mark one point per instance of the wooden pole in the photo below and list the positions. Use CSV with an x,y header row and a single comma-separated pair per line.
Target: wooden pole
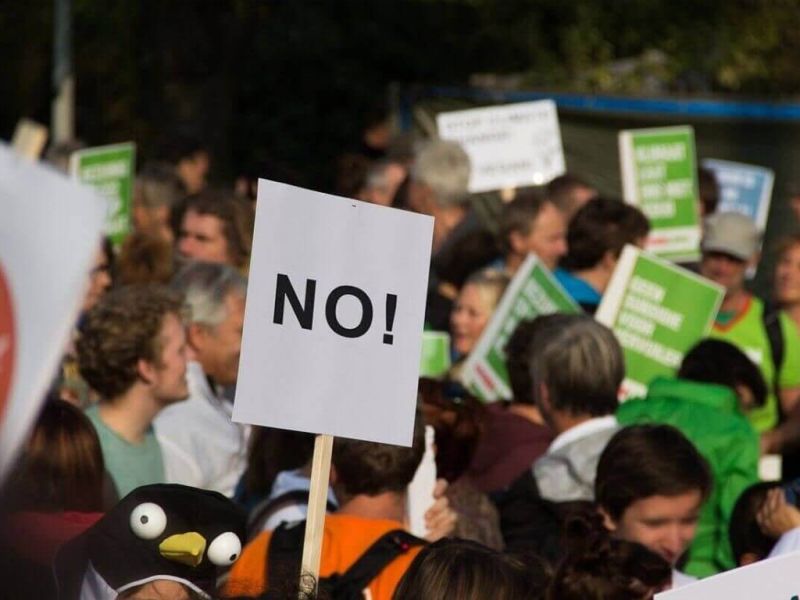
x,y
317,505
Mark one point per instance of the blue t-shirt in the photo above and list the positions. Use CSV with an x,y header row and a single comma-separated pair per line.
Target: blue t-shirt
x,y
580,291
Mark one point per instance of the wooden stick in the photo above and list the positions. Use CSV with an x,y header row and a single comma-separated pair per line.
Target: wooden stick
x,y
317,505
29,139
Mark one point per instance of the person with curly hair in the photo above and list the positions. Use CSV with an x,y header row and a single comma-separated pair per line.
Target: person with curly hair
x,y
132,352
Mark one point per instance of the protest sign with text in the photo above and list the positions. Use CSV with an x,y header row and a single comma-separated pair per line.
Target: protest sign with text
x,y
334,318
49,235
659,175
772,579
532,292
658,311
109,170
745,189
509,146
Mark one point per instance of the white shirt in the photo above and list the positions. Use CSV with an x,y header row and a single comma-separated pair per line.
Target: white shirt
x,y
788,542
582,430
200,444
681,579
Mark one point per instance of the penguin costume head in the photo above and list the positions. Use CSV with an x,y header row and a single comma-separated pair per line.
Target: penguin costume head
x,y
161,531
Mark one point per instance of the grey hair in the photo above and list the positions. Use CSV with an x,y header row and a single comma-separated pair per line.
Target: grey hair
x,y
579,362
205,287
445,168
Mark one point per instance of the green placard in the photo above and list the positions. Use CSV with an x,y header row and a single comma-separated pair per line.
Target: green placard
x,y
110,171
533,291
658,311
659,175
435,360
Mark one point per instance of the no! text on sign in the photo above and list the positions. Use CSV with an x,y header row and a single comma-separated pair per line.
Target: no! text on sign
x,y
334,318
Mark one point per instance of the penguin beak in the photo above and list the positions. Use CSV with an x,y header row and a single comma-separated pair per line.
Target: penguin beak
x,y
185,548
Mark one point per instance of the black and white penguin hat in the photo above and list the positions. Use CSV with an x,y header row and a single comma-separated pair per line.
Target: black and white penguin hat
x,y
161,531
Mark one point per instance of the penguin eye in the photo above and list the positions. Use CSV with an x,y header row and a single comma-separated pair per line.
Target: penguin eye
x,y
225,549
148,521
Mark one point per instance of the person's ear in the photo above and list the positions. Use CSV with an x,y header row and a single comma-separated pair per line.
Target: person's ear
x,y
609,261
608,522
197,336
146,370
516,241
542,398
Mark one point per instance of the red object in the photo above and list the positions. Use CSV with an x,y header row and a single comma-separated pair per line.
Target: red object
x,y
37,536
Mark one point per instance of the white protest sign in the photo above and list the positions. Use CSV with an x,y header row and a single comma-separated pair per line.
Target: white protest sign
x,y
773,579
509,146
334,318
49,234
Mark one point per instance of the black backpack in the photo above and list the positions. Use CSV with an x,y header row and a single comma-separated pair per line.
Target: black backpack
x,y
285,552
265,509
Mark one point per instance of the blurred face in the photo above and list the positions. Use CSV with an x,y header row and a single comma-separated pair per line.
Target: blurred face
x,y
724,269
787,277
169,381
547,237
664,524
217,348
193,171
202,238
469,317
99,280
162,589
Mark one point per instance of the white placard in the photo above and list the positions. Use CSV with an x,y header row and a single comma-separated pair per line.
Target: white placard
x,y
773,579
509,146
323,350
49,234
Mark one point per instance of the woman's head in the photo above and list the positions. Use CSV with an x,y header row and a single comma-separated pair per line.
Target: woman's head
x,y
651,483
787,271
474,307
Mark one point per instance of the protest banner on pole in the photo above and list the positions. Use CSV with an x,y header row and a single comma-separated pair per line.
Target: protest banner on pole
x,y
745,189
509,146
658,311
532,292
49,234
333,325
771,579
659,175
110,171
29,139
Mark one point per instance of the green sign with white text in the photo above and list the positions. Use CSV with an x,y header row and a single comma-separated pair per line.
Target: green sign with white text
x,y
110,171
532,292
658,311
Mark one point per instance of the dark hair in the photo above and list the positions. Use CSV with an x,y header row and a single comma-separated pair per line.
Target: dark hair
x,y
122,328
708,187
61,468
145,258
560,191
370,468
235,214
517,352
518,216
456,568
601,567
716,361
743,531
602,225
272,451
180,145
641,461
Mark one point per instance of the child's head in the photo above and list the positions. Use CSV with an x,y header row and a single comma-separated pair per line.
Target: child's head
x,y
749,543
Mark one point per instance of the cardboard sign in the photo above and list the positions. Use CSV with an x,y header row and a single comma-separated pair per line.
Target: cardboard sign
x,y
49,234
772,579
658,311
29,139
509,146
334,318
532,292
745,189
659,175
110,171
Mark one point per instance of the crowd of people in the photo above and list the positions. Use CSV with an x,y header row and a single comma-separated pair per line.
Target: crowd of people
x,y
135,482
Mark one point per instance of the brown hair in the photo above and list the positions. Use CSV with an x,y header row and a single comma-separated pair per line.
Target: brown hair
x,y
518,216
145,258
119,331
62,465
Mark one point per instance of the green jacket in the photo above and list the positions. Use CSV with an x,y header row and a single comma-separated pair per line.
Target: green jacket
x,y
709,416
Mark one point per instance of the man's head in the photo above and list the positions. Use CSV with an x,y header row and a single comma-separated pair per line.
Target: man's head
x,y
134,337
531,224
215,295
569,193
651,483
216,227
576,365
370,469
730,245
383,179
715,361
439,177
599,231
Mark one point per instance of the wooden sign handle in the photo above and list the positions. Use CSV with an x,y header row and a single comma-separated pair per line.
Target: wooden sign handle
x,y
317,505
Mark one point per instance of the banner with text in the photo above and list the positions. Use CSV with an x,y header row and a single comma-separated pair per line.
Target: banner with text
x,y
532,292
335,311
509,146
659,175
658,311
110,171
745,189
